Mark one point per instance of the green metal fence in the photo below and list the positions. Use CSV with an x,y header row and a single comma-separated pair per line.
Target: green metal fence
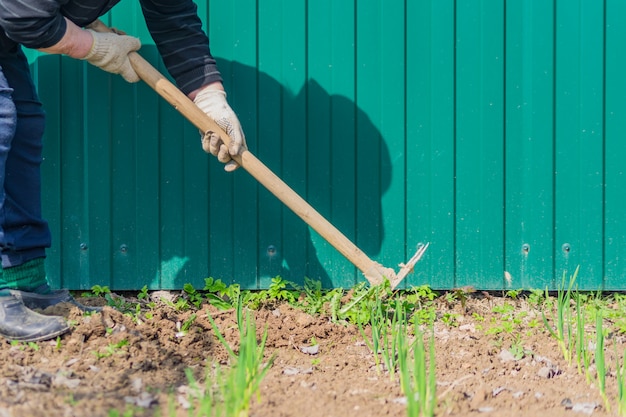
x,y
492,129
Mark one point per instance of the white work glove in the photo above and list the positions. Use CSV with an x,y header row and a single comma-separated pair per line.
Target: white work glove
x,y
213,103
109,52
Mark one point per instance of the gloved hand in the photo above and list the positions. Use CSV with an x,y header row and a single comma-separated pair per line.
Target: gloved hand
x,y
213,103
110,53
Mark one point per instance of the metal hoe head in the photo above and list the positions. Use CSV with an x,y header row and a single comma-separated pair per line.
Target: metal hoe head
x,y
378,273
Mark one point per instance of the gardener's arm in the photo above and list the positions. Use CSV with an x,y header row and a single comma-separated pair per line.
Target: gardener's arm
x,y
75,42
184,46
182,43
40,24
33,24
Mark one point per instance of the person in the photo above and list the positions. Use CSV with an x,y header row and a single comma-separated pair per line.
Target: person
x,y
67,27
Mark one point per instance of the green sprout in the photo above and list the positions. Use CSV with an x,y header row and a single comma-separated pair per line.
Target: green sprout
x,y
417,375
563,333
242,382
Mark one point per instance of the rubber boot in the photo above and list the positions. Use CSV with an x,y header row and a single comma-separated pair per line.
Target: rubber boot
x,y
23,325
40,299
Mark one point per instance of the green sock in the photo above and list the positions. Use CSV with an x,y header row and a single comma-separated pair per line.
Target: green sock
x,y
29,276
3,292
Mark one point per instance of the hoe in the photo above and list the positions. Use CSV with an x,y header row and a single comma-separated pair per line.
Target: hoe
x,y
373,271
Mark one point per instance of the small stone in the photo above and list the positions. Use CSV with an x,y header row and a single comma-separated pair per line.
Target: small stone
x,y
160,296
136,385
290,371
71,362
506,356
62,381
143,400
304,320
585,408
310,350
468,327
548,372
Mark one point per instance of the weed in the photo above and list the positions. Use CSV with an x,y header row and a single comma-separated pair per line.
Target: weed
x,y
16,344
111,349
497,327
533,323
119,303
315,299
220,295
335,307
71,400
536,298
358,311
424,316
180,304
278,291
100,291
96,291
513,294
459,294
517,349
143,294
450,319
478,317
421,294
193,295
32,345
128,412
505,310
183,328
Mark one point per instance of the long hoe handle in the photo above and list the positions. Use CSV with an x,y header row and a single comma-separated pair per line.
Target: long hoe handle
x,y
373,271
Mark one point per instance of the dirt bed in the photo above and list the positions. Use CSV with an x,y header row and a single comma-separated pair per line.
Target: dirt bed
x,y
111,364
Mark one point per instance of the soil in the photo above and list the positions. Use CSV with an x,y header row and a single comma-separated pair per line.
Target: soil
x,y
110,361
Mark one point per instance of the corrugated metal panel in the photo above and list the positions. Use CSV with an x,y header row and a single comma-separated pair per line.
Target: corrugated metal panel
x,y
491,129
529,146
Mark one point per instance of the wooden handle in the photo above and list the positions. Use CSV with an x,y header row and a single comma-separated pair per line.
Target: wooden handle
x,y
254,166
373,271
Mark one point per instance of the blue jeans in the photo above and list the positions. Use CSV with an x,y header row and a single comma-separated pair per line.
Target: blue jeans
x,y
24,234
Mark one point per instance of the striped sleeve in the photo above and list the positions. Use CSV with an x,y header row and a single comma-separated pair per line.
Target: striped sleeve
x,y
33,23
183,45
